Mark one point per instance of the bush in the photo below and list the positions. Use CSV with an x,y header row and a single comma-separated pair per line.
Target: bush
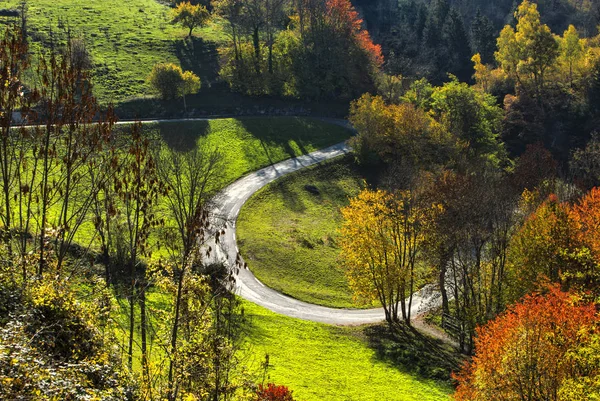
x,y
273,392
166,79
54,347
171,82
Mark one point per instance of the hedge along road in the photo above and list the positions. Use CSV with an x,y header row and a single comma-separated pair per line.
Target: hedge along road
x,y
226,208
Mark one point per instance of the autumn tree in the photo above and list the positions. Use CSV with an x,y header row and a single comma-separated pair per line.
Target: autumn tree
x,y
403,132
170,81
544,248
586,219
190,16
572,50
65,141
190,177
380,241
14,60
273,392
138,188
468,243
530,351
529,52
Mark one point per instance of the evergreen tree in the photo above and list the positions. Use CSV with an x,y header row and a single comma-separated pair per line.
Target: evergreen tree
x,y
483,37
456,43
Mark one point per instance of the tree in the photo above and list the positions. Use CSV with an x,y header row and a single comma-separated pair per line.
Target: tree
x,y
457,46
544,248
398,133
468,240
190,16
471,115
483,37
190,176
586,218
171,82
528,53
527,352
585,164
571,50
14,60
191,85
66,140
273,392
380,241
138,188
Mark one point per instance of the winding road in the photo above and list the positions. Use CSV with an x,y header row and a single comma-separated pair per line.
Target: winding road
x,y
227,206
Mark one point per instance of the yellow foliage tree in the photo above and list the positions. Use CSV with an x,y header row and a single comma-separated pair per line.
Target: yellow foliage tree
x,y
380,241
190,16
530,51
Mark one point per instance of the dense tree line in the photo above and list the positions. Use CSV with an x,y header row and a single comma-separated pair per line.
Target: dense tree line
x,y
309,49
493,231
429,38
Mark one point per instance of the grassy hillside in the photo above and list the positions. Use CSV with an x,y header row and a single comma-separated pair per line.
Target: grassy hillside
x,y
125,39
246,144
288,234
323,362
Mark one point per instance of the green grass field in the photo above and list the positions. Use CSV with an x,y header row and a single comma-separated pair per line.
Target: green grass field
x,y
246,145
288,235
322,362
125,39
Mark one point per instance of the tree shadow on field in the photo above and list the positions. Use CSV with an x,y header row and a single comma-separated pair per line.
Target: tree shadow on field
x,y
409,350
182,136
201,57
278,132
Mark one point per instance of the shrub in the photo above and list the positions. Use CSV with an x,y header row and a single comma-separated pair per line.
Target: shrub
x,y
273,392
171,82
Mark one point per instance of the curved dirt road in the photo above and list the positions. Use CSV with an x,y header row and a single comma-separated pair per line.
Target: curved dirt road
x,y
226,210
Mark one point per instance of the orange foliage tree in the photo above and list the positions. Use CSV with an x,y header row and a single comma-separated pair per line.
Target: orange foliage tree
x,y
273,392
585,215
528,352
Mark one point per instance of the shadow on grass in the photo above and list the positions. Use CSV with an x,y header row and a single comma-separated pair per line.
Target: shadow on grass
x,y
199,56
219,100
182,136
406,348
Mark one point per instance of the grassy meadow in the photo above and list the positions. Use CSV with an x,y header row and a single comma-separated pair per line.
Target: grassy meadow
x,y
323,362
125,40
245,145
288,234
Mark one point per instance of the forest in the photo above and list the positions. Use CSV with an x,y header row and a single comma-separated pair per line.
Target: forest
x,y
457,220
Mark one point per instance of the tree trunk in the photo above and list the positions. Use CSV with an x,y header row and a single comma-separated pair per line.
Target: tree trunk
x,y
256,42
270,53
144,325
174,332
442,284
131,316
